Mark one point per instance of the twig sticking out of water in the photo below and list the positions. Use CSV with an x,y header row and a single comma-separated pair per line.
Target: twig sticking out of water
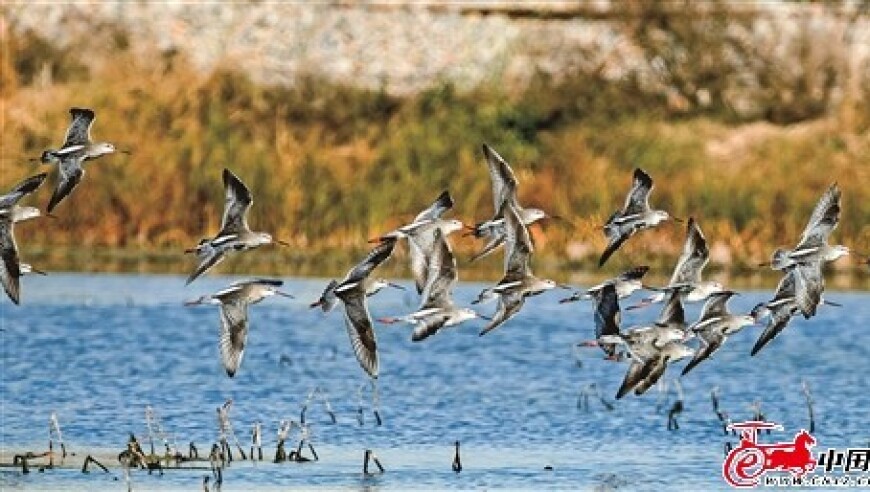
x,y
90,459
370,455
809,398
216,460
457,461
54,431
256,441
720,414
757,414
676,408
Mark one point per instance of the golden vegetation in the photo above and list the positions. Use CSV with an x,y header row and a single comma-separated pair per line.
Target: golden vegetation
x,y
331,166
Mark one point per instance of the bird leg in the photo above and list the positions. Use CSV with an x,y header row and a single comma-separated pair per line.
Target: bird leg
x,y
376,404
809,398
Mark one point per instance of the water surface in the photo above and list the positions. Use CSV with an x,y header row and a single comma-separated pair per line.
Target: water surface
x,y
98,349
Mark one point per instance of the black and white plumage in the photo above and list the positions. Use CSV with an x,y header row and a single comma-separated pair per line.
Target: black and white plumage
x,y
504,188
78,139
235,235
687,276
518,281
234,301
437,309
351,291
10,265
715,325
625,283
781,309
635,215
813,246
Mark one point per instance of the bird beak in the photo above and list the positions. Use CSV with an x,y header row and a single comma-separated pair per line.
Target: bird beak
x,y
315,304
49,216
827,303
564,286
678,219
193,302
125,151
485,318
284,294
375,240
396,286
280,242
189,250
568,299
38,272
563,219
643,303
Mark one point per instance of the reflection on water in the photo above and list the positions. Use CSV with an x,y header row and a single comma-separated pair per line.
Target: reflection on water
x,y
98,349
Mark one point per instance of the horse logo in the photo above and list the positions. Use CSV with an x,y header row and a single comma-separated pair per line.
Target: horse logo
x,y
747,462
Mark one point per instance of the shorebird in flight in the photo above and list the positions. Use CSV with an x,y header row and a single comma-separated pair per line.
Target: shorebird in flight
x,y
78,139
813,245
351,291
715,325
635,215
626,283
11,268
504,188
328,300
780,310
420,235
234,302
518,281
645,344
686,278
437,310
235,235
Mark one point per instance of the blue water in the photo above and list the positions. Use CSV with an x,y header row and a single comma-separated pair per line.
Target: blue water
x,y
98,349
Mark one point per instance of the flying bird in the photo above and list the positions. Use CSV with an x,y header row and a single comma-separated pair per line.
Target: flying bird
x,y
234,301
328,300
351,291
504,188
686,278
635,215
437,309
235,235
813,245
715,325
78,139
11,268
626,283
518,281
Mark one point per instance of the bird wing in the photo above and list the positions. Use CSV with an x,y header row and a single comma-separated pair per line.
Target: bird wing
x,y
375,257
518,244
421,243
778,321
635,273
238,201
716,305
504,182
711,344
206,264
809,285
823,221
508,307
70,174
637,371
79,131
786,287
328,299
359,328
443,203
637,201
694,257
441,276
491,246
607,314
10,268
429,325
656,371
25,187
673,314
234,334
615,241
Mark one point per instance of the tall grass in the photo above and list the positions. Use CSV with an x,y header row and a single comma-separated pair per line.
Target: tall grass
x,y
331,166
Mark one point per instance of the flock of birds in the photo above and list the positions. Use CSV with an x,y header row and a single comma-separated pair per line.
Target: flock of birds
x,y
650,348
